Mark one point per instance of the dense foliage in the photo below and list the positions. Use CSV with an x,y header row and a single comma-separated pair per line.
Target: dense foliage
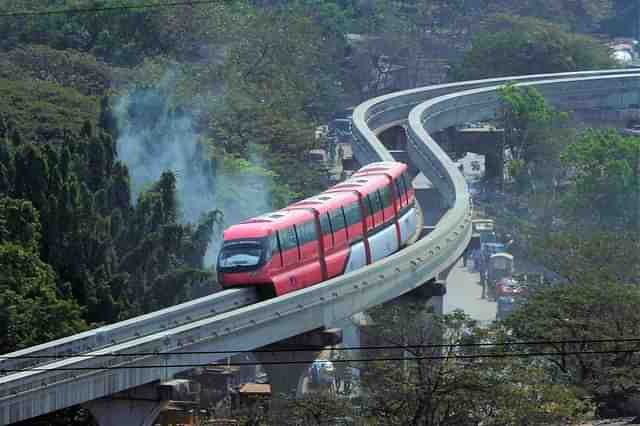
x,y
110,257
606,179
437,385
511,45
599,316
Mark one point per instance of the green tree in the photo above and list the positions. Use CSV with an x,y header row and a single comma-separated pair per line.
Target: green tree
x,y
604,181
434,386
579,16
580,254
516,46
586,311
535,134
30,310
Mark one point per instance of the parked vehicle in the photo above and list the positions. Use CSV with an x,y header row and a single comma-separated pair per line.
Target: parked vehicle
x,y
479,227
354,223
508,286
500,266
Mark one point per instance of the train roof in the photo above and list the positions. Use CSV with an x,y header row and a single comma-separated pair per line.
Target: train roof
x,y
368,178
324,201
263,226
361,183
383,167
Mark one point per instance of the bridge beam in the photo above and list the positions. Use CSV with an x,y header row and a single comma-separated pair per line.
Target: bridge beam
x,y
287,364
140,406
431,294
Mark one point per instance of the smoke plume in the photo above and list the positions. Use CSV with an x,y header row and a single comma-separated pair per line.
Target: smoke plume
x,y
153,137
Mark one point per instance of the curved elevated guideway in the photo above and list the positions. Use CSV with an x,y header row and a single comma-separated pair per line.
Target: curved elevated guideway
x,y
131,356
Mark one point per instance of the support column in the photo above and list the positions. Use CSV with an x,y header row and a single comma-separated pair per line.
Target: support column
x,y
430,293
114,412
286,368
141,406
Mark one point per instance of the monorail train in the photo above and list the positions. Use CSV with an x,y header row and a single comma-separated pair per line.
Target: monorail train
x,y
361,220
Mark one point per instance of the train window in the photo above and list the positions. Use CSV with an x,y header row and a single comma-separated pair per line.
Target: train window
x,y
404,188
398,191
372,203
307,232
333,236
325,225
399,188
352,212
275,246
406,181
337,220
379,198
386,196
288,238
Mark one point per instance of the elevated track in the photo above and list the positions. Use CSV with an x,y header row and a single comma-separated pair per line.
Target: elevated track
x,y
154,347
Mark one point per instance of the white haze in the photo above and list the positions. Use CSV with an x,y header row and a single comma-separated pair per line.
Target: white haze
x,y
153,139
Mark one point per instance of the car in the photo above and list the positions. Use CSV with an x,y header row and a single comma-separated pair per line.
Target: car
x,y
509,287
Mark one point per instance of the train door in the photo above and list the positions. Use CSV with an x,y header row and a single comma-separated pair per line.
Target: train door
x,y
276,253
289,246
375,208
336,258
368,212
353,216
310,271
387,203
339,227
308,241
401,193
327,235
359,254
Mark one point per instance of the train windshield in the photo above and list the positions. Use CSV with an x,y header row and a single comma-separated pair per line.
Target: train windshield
x,y
243,255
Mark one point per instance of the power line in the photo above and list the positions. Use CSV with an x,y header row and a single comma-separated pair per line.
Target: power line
x,y
25,14
344,348
354,360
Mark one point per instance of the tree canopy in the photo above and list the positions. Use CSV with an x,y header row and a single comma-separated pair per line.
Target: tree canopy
x,y
586,312
510,45
604,181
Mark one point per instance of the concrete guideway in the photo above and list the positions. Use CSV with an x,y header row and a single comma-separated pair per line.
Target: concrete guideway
x,y
31,393
143,325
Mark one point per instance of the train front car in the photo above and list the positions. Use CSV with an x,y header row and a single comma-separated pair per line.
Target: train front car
x,y
245,255
359,221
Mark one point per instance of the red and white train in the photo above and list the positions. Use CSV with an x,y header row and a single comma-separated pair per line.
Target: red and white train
x,y
361,220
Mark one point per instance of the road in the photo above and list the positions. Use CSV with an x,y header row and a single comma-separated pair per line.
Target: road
x,y
463,285
464,292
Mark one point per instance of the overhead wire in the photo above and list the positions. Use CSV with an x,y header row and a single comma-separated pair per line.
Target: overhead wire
x,y
343,348
352,360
